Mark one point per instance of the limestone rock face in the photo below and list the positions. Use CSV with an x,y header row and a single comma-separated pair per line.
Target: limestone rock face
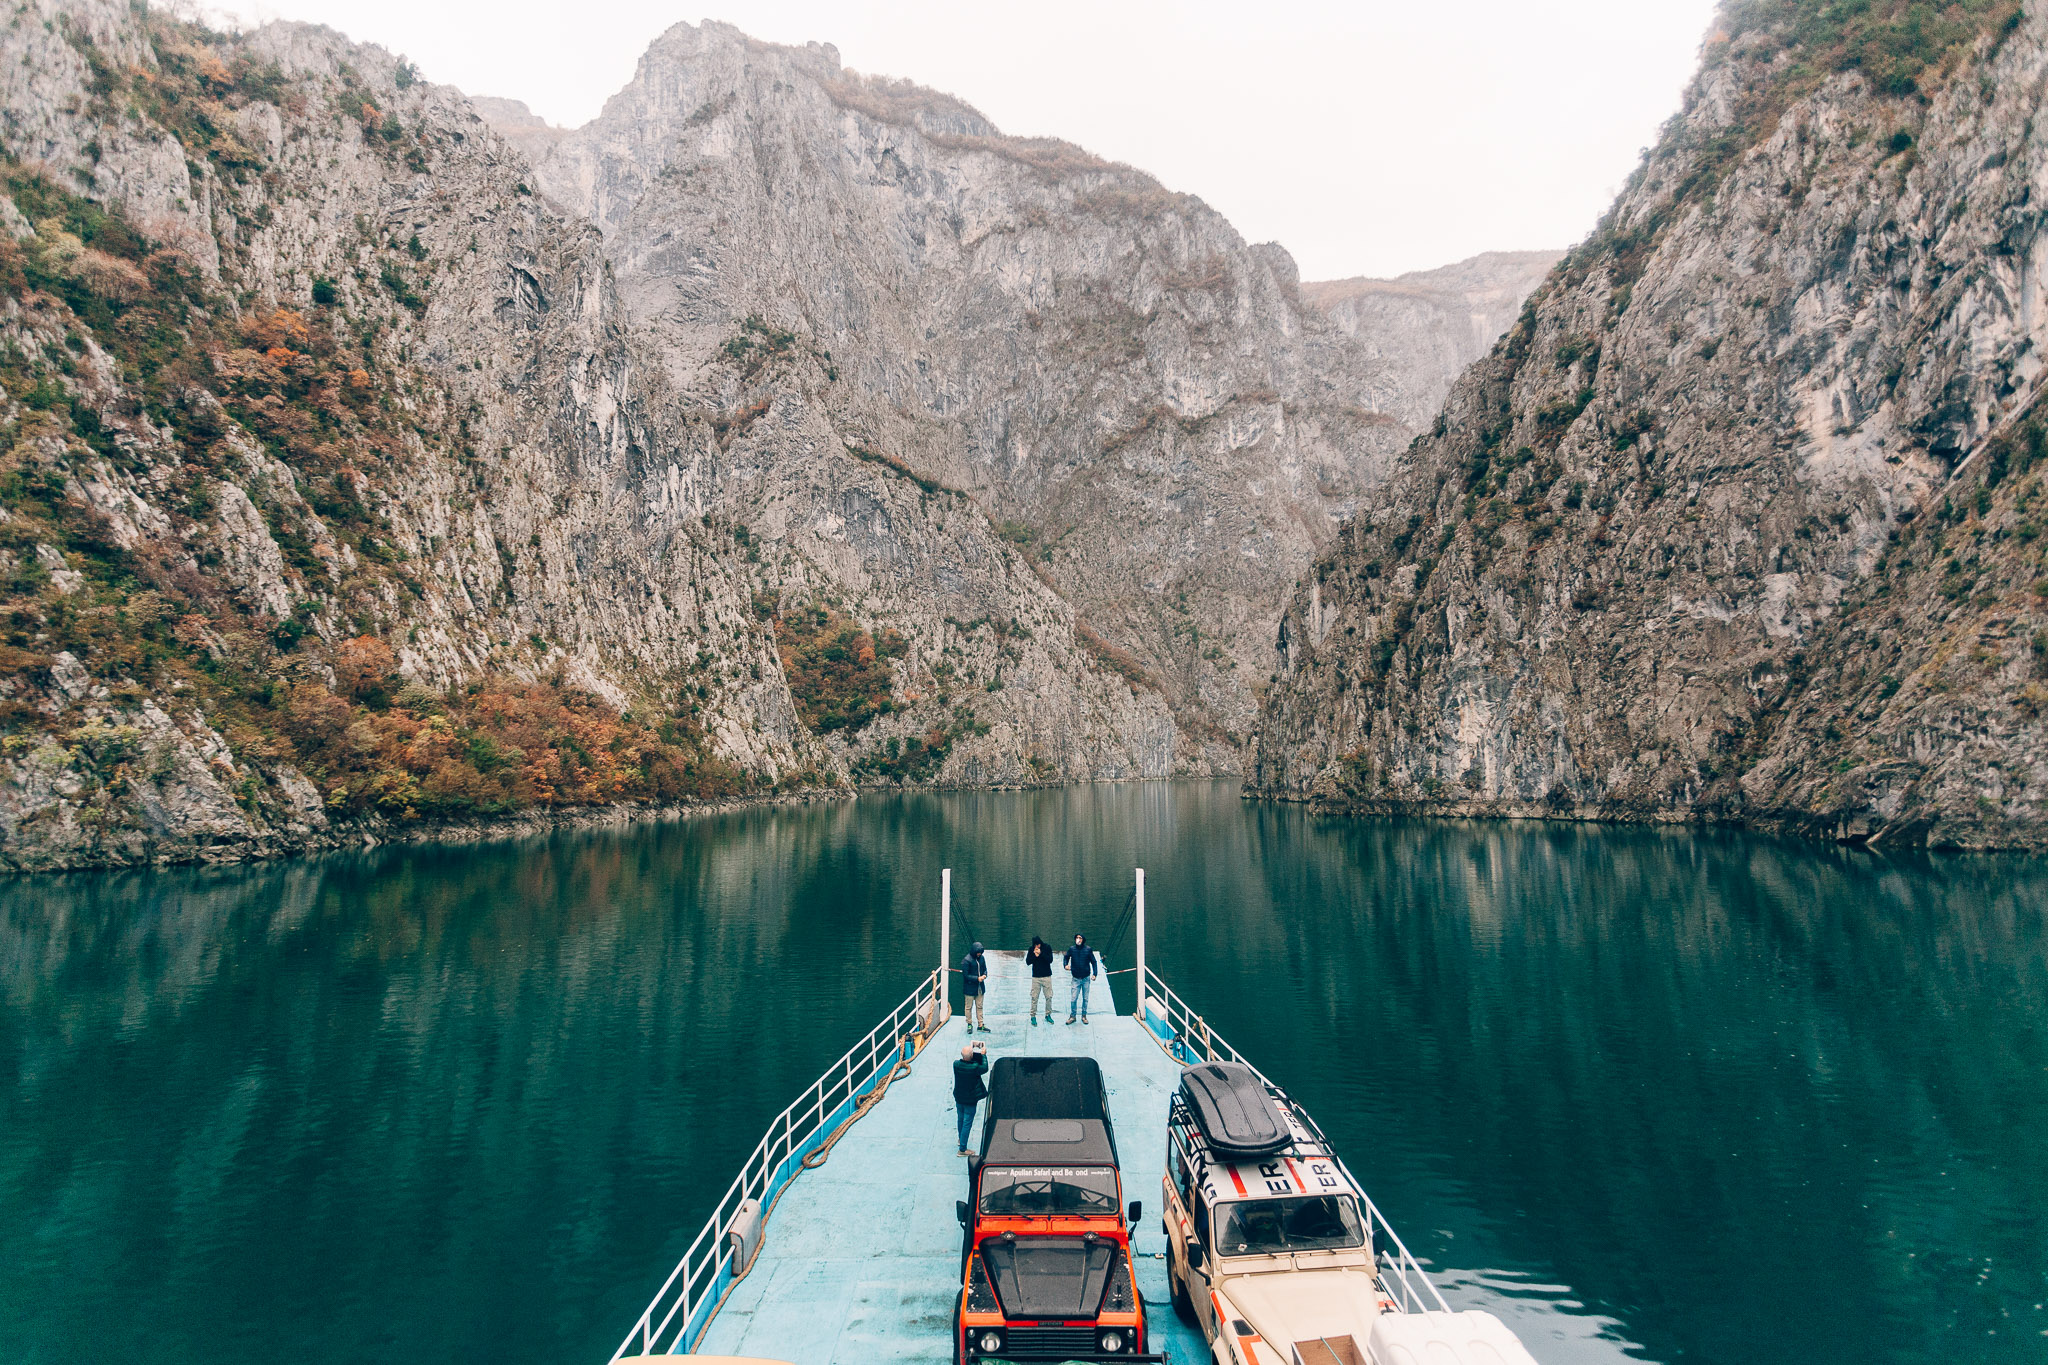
x,y
509,482
1425,327
1741,521
1152,419
694,413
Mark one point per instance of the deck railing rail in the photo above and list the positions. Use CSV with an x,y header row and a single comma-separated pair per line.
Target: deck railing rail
x,y
682,1308
1191,1040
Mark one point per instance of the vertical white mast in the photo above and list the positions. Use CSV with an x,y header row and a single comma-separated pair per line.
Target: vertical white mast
x,y
1141,948
945,938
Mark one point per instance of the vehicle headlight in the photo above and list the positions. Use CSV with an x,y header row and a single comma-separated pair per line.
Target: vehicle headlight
x,y
990,1341
1112,1342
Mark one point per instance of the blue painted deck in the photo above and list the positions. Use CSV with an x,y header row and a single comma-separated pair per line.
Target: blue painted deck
x,y
862,1259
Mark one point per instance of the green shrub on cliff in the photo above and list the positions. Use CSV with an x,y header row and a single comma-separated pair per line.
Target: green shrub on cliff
x,y
838,673
1895,43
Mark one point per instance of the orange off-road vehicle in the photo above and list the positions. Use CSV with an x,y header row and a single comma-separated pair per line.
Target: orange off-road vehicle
x,y
1047,1250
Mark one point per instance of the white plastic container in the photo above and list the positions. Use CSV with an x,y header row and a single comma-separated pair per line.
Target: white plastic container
x,y
1470,1338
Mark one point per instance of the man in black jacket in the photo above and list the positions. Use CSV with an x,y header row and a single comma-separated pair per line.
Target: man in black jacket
x,y
1040,961
1080,960
973,984
968,1087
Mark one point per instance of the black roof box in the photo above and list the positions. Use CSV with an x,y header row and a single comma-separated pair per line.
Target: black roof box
x,y
1230,1105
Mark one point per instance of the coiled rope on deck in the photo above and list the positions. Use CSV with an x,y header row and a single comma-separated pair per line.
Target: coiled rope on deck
x,y
811,1161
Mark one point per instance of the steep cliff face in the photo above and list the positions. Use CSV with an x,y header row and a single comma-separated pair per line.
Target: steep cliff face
x,y
1741,520
1140,399
1425,327
341,487
326,496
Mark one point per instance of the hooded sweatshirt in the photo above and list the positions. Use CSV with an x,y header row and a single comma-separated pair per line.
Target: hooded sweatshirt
x,y
1080,959
1040,958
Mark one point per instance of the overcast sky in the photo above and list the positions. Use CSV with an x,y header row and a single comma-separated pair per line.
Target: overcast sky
x,y
1370,137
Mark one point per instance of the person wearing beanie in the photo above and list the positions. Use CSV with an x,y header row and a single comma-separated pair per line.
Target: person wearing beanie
x,y
1080,960
973,984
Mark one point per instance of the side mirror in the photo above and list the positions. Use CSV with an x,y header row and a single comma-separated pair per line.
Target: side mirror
x,y
960,1211
1137,1211
1380,1249
1195,1255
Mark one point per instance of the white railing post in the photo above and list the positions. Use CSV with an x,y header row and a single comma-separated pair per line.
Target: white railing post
x,y
1143,1022
945,941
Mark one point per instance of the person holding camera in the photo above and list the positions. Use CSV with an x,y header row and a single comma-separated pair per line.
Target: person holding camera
x,y
969,1089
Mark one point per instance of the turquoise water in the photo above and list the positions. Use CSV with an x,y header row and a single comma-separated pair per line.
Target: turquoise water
x,y
1653,1094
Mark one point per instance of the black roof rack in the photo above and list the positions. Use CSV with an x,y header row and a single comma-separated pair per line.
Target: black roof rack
x,y
1047,1110
1047,1088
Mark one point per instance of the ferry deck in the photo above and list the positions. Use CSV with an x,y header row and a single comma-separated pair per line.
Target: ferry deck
x,y
856,1260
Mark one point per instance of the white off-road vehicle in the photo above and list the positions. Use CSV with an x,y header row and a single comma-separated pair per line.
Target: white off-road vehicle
x,y
1273,1248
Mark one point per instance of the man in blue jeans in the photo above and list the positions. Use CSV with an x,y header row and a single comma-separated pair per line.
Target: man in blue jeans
x,y
1080,962
968,1088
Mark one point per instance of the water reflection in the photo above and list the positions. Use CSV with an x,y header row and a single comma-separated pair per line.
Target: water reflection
x,y
1652,1094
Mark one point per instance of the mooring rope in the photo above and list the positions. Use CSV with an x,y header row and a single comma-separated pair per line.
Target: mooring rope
x,y
812,1160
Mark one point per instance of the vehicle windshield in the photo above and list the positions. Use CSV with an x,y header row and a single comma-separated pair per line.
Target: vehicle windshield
x,y
1268,1227
1041,1191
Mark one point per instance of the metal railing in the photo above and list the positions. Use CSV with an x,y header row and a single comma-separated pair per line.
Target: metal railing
x,y
1189,1038
685,1302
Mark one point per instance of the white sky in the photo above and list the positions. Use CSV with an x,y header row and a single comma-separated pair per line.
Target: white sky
x,y
1370,137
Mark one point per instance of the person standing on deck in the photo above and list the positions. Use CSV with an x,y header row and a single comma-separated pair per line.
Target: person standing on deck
x,y
968,1087
1080,960
973,984
1040,961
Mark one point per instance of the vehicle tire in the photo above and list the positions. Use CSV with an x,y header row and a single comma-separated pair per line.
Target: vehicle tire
x,y
1182,1304
959,1341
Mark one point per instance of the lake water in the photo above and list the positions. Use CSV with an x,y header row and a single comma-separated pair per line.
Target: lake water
x,y
1659,1095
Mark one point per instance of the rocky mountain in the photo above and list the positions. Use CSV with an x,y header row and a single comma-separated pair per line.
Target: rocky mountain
x,y
336,491
1742,519
1139,399
1425,327
377,458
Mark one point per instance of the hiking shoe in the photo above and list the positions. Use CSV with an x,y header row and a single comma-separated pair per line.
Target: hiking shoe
x,y
1070,1019
1084,1018
1034,1021
965,1152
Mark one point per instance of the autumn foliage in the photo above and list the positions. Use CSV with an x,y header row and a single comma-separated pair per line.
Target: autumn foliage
x,y
500,746
838,673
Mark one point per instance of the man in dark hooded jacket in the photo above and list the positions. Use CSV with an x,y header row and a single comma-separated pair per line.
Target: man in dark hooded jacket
x,y
1080,960
973,984
1039,959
